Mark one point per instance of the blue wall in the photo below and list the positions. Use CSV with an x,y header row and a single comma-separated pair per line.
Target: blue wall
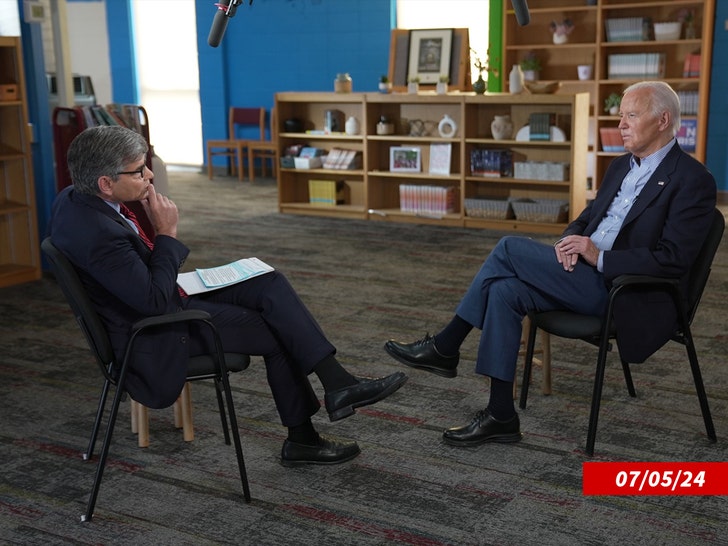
x,y
288,45
717,150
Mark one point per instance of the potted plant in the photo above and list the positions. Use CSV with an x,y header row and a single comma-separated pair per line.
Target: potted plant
x,y
612,103
385,86
414,85
531,66
481,66
441,87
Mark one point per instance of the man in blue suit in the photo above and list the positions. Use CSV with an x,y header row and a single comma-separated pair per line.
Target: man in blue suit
x,y
650,216
129,278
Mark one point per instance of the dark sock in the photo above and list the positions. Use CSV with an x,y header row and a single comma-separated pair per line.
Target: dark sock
x,y
303,434
448,341
500,405
332,374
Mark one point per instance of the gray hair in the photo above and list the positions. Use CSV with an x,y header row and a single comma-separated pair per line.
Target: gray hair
x,y
102,151
662,99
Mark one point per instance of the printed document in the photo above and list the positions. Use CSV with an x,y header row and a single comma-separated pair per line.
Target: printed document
x,y
205,280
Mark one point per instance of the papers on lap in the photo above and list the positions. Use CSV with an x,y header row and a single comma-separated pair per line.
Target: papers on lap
x,y
205,280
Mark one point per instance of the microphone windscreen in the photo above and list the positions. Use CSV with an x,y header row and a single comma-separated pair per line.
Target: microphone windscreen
x,y
217,29
522,15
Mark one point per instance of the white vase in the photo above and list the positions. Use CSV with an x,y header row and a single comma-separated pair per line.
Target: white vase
x,y
413,87
515,80
501,127
530,75
447,127
441,88
352,126
385,87
560,38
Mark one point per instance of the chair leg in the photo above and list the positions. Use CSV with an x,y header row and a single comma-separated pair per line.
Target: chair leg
x,y
597,394
142,421
241,161
527,365
221,407
104,452
628,379
251,164
209,164
699,386
236,437
97,422
546,362
185,403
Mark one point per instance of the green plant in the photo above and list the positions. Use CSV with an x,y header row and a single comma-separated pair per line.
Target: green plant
x,y
531,62
444,79
383,79
414,79
613,100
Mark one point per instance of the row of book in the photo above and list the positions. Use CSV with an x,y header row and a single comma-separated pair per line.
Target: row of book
x,y
628,29
688,102
636,65
691,66
338,158
131,116
427,200
326,192
491,163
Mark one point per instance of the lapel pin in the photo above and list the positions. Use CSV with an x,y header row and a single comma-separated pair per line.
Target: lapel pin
x,y
660,183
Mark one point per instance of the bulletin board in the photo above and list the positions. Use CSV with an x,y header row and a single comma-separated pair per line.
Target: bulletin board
x,y
399,50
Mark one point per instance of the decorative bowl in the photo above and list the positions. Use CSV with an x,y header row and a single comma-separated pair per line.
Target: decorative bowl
x,y
542,88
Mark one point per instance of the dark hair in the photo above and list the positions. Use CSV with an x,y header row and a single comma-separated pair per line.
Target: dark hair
x,y
102,151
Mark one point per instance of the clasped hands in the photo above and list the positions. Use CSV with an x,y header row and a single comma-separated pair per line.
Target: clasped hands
x,y
568,250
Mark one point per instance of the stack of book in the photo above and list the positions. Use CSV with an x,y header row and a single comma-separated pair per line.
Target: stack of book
x,y
636,65
326,192
427,200
491,163
342,159
539,125
688,102
628,29
691,66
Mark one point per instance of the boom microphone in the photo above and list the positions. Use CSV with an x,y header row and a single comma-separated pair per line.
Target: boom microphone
x,y
225,11
522,15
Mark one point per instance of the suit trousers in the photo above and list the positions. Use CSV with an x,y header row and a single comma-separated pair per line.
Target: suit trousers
x,y
522,275
264,316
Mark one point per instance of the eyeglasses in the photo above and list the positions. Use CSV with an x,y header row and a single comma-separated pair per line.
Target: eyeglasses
x,y
139,173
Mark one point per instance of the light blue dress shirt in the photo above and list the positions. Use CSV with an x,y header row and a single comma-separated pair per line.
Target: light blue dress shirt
x,y
638,175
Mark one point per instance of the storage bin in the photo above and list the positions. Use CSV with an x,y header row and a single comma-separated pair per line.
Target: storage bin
x,y
540,210
493,209
667,31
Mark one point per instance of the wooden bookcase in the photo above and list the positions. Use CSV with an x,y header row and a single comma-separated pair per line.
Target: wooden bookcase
x,y
588,44
373,191
19,247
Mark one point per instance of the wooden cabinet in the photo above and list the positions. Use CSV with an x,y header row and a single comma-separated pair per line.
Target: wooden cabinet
x,y
19,250
590,43
374,191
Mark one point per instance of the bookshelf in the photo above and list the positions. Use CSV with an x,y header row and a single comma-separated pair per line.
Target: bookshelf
x,y
454,124
590,43
19,248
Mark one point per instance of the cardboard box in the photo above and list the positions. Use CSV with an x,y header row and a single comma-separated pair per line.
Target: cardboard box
x,y
9,91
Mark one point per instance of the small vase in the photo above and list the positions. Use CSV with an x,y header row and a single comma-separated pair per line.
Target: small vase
x,y
501,127
560,38
413,87
447,127
441,88
343,83
515,79
352,126
530,75
479,85
385,87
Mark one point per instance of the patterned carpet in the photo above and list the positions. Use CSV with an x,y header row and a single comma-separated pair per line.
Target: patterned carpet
x,y
365,282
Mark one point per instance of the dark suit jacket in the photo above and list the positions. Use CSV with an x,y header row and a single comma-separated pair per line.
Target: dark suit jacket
x,y
127,282
661,236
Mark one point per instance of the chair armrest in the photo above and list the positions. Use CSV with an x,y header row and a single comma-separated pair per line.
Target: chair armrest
x,y
171,318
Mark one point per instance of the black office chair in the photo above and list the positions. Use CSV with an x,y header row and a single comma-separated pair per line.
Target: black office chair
x,y
599,330
216,366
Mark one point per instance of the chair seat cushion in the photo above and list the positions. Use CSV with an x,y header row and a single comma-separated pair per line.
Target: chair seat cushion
x,y
204,365
568,324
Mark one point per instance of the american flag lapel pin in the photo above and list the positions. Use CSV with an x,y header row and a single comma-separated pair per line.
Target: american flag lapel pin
x,y
660,183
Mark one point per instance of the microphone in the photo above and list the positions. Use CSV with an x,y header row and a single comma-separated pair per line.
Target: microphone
x,y
225,11
522,15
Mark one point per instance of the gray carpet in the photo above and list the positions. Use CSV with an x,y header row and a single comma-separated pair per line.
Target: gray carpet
x,y
365,282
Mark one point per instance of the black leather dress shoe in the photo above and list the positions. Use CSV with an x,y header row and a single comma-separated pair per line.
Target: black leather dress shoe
x,y
327,451
342,403
484,428
423,354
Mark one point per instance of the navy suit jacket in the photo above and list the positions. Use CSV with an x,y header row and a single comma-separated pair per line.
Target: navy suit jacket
x,y
661,236
127,282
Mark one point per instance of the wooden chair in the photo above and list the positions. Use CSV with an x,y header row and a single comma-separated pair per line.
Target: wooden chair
x,y
265,150
182,418
236,149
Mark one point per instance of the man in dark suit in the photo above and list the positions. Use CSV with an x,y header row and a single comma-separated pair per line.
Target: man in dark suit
x,y
129,278
650,216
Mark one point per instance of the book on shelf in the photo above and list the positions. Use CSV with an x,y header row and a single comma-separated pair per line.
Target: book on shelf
x,y
326,192
493,163
539,125
440,155
691,66
205,280
687,134
425,200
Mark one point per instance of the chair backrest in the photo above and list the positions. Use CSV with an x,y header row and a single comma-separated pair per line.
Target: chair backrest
x,y
246,117
82,307
700,270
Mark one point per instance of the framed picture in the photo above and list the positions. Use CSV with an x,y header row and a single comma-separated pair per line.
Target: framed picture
x,y
429,54
405,160
440,158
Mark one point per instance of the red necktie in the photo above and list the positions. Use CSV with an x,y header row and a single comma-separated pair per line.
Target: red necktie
x,y
127,213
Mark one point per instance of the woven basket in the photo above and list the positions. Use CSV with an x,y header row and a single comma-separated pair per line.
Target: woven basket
x,y
540,210
492,209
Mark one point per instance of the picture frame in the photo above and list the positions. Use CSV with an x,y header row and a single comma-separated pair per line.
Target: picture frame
x,y
440,157
429,54
405,159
